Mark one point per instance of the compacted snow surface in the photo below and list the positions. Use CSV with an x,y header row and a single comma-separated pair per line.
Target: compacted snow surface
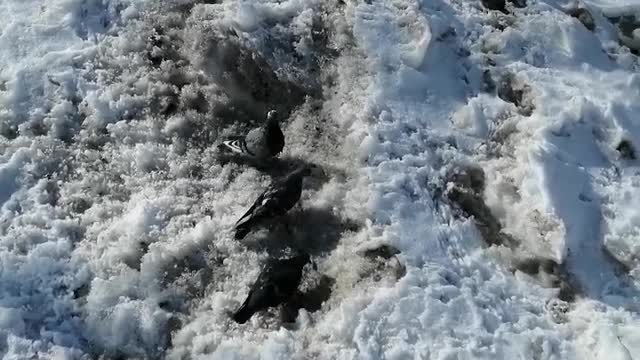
x,y
471,141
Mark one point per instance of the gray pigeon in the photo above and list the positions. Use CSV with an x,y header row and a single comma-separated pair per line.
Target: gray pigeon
x,y
264,142
275,201
277,282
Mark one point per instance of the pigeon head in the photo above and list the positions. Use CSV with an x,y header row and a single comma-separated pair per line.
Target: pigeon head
x,y
272,117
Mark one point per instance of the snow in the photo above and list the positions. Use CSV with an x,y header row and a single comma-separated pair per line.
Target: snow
x,y
116,214
615,7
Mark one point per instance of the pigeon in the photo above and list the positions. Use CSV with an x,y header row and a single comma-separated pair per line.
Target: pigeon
x,y
277,282
494,5
264,142
275,201
500,5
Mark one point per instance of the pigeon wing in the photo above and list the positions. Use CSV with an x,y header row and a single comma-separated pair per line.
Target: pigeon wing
x,y
256,143
275,201
253,207
261,297
266,206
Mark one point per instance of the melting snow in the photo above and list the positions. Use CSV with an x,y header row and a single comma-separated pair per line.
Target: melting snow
x,y
116,213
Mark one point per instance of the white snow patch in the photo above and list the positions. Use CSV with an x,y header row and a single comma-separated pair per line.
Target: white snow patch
x,y
616,7
115,222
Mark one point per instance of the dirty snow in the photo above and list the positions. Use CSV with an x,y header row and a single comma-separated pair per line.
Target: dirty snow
x,y
116,212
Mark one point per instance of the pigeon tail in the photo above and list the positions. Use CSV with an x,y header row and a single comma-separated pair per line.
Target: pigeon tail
x,y
243,229
241,232
243,314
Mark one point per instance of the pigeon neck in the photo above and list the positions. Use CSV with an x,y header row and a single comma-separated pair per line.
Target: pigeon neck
x,y
275,138
272,124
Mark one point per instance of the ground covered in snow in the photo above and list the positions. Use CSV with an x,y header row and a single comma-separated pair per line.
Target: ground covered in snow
x,y
495,150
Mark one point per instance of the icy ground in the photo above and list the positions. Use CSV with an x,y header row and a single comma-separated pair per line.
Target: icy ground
x,y
497,151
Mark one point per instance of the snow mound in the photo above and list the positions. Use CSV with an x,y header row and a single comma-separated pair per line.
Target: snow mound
x,y
616,8
481,172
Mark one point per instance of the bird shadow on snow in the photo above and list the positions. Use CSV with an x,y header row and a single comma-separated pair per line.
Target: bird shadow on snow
x,y
314,231
250,82
277,167
310,299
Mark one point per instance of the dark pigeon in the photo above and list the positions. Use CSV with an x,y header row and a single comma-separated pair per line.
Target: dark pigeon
x,y
273,202
498,5
275,285
264,142
519,3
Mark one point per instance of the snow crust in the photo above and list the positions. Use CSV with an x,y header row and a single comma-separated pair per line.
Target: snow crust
x,y
115,213
615,8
